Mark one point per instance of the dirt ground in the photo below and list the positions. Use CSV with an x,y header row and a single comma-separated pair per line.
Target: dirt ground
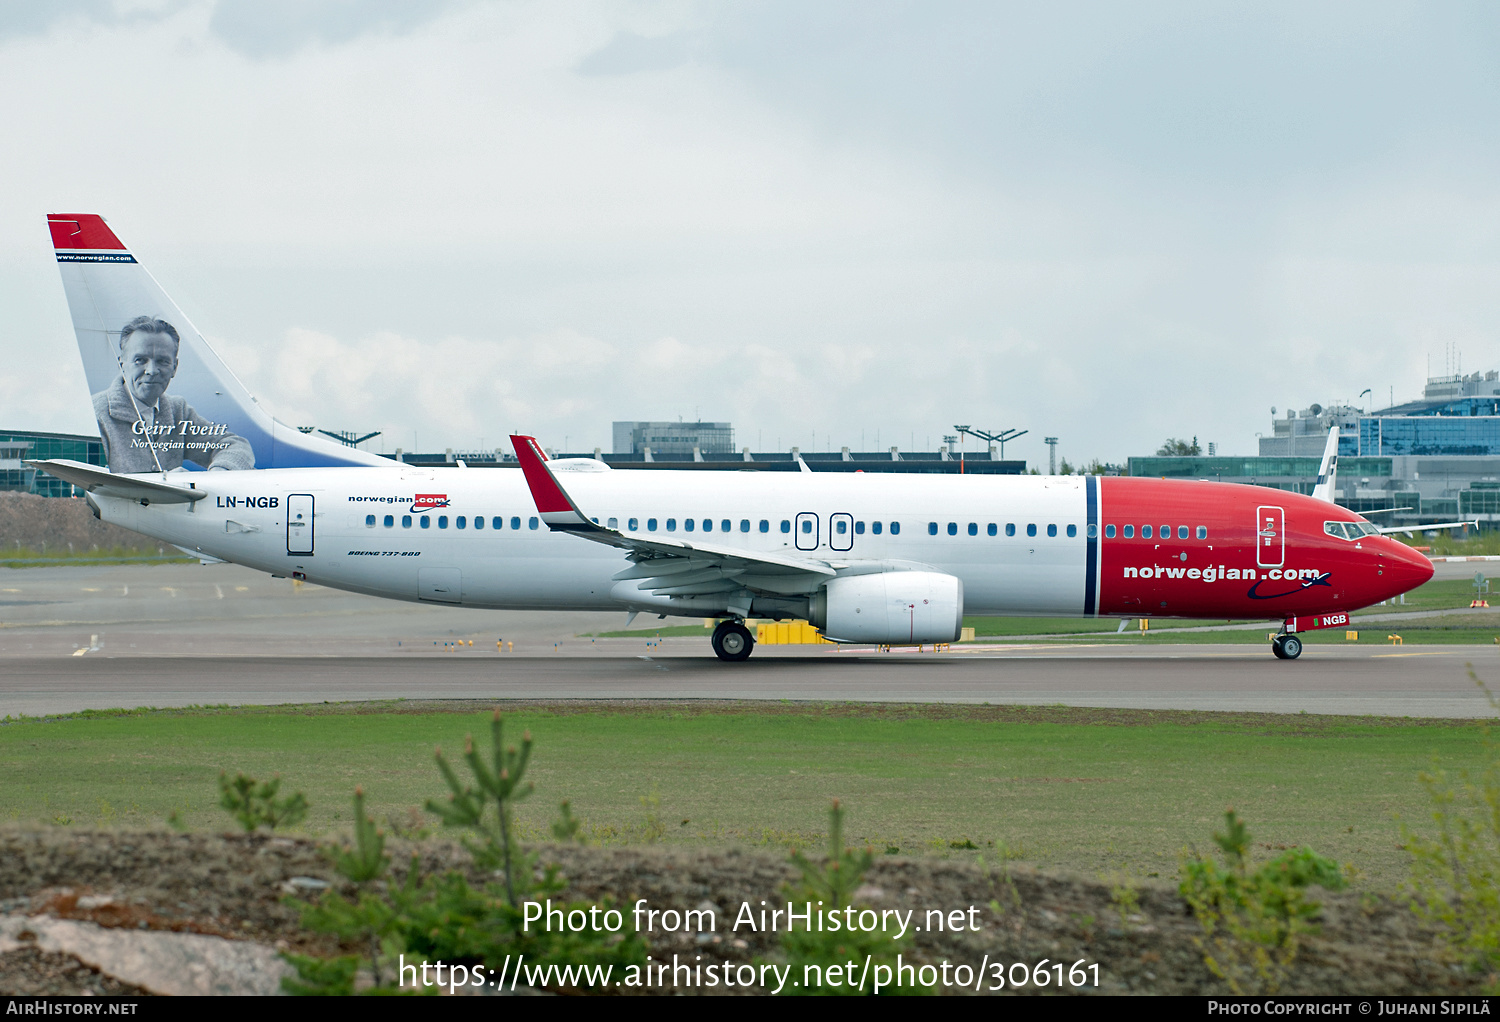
x,y
234,886
54,523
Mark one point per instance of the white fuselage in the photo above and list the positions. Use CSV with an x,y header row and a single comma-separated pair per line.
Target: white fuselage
x,y
396,532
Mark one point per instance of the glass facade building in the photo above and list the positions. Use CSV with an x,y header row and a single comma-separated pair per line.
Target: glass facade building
x,y
21,446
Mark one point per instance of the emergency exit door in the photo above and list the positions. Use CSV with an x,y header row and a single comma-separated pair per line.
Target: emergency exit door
x,y
299,525
1270,537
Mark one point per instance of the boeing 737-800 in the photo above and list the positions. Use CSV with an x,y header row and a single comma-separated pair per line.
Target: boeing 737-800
x,y
866,557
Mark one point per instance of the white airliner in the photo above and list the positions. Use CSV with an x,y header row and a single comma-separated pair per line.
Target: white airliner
x,y
867,557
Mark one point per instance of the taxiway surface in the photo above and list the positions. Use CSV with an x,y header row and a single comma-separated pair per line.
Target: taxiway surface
x,y
127,636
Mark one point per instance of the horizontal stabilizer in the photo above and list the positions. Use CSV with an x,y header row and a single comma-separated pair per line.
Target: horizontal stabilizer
x,y
102,481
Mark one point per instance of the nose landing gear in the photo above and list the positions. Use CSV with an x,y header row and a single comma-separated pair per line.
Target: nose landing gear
x,y
732,641
1286,646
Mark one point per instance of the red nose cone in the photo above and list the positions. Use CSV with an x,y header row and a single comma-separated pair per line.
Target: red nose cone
x,y
1405,568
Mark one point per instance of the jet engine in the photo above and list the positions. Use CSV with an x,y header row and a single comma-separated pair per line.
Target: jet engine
x,y
891,607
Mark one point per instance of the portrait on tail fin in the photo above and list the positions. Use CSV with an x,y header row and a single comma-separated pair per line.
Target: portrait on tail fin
x,y
144,428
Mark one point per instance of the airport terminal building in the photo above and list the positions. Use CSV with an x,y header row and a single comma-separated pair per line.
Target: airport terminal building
x,y
1438,458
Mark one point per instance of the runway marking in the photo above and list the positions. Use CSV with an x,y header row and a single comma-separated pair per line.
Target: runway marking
x,y
80,652
88,590
1436,652
219,592
169,589
9,590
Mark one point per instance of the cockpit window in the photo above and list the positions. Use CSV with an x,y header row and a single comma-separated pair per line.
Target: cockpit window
x,y
1350,530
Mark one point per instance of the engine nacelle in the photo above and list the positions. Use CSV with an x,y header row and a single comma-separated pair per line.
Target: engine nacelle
x,y
892,607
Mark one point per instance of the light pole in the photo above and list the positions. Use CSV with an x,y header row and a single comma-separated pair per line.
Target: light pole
x,y
994,438
1051,443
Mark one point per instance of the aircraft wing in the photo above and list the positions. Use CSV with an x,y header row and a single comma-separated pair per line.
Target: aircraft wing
x,y
668,567
98,480
1409,529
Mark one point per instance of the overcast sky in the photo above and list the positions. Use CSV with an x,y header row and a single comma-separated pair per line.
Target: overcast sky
x,y
1111,223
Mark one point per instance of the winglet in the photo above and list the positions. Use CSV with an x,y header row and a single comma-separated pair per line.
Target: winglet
x,y
552,502
1328,470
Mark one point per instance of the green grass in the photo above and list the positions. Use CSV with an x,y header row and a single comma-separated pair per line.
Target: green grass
x,y
28,557
651,633
1090,790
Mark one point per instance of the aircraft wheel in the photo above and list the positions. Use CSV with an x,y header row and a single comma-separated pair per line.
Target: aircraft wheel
x,y
732,641
1286,647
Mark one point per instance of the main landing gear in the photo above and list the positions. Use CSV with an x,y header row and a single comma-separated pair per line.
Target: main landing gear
x,y
1286,646
732,640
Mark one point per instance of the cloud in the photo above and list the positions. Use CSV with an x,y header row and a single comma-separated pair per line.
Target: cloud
x,y
277,28
1111,224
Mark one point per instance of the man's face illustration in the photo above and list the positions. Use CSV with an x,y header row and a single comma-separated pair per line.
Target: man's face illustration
x,y
149,361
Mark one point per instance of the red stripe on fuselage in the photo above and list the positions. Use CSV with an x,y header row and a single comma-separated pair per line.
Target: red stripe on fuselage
x,y
1219,575
82,231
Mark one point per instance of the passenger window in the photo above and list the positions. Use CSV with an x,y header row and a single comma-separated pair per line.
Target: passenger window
x,y
859,528
991,529
369,521
1166,532
1010,528
613,523
1182,532
515,523
895,528
786,525
532,523
426,522
1052,531
744,525
497,523
671,525
765,526
1109,532
463,522
1202,532
650,524
841,527
875,528
442,521
1073,531
687,525
973,528
1145,532
406,521
1129,531
632,524
390,520
807,526
1031,530
479,521
953,528
1093,531
932,528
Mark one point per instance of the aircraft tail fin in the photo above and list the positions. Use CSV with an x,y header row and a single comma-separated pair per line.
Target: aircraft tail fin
x,y
1328,470
163,398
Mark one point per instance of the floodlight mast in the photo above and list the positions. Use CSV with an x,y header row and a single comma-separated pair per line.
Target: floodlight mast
x,y
994,438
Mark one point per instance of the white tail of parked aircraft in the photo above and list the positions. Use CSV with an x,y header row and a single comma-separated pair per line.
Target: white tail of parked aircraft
x,y
1328,470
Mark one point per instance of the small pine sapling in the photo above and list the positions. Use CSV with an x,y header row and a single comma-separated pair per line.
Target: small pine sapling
x,y
500,782
1253,919
833,881
367,859
254,804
